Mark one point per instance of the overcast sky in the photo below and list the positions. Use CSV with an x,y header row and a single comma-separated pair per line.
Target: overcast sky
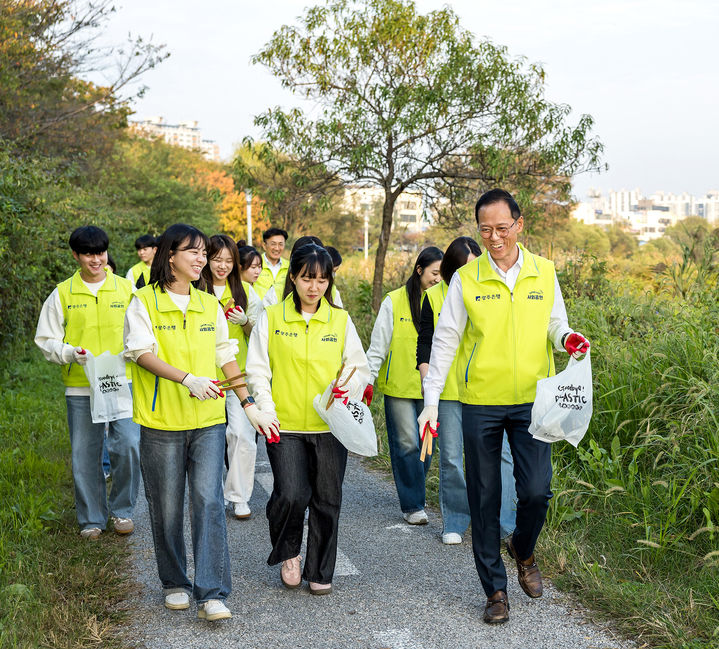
x,y
646,70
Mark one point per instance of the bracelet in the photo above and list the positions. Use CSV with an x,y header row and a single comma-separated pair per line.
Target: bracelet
x,y
564,338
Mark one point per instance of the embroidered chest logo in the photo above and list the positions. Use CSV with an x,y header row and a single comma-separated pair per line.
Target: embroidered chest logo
x,y
207,326
117,305
77,306
403,319
490,296
535,295
160,327
290,334
329,338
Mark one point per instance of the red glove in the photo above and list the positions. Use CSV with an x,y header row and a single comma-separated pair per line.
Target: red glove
x,y
338,393
368,394
576,345
429,428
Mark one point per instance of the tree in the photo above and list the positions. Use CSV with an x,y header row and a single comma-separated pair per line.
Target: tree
x,y
47,51
405,100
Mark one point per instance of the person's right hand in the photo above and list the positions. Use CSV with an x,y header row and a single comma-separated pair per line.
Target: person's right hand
x,y
236,315
368,394
79,355
202,387
428,416
264,422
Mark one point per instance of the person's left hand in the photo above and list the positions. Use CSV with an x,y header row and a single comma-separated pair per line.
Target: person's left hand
x,y
236,315
576,345
339,393
368,394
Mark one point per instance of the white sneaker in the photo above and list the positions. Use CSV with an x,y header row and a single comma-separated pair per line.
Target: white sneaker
x,y
242,510
213,609
123,525
177,601
451,538
417,518
91,533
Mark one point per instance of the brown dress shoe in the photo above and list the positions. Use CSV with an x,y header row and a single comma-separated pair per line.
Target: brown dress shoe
x,y
530,579
496,610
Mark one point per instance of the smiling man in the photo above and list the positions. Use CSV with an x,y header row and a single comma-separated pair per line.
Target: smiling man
x,y
85,313
502,314
274,267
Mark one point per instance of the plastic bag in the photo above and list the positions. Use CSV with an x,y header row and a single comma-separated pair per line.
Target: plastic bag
x,y
351,424
110,396
563,406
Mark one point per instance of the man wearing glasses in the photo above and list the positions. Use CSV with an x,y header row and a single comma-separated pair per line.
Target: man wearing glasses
x,y
502,314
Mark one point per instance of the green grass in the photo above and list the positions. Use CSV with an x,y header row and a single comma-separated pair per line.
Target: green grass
x,y
57,590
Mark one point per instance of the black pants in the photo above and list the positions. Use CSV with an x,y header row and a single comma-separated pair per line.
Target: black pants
x,y
483,428
308,470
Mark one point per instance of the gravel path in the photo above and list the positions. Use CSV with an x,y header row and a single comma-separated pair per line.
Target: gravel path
x,y
396,587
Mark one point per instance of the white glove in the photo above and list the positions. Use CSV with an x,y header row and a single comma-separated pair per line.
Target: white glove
x,y
264,422
237,316
427,416
201,387
79,355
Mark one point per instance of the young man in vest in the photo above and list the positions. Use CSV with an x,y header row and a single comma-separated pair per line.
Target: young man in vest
x,y
274,267
139,274
86,313
502,314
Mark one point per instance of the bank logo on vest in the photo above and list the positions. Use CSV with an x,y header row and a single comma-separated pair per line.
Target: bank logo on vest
x,y
291,334
490,296
535,295
329,338
403,319
207,326
83,305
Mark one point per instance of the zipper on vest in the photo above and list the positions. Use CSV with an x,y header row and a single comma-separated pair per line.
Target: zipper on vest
x,y
184,320
466,372
307,371
514,344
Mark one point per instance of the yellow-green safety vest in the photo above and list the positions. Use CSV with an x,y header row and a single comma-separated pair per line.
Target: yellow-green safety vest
x,y
235,329
140,268
187,342
94,323
304,358
436,295
505,349
266,279
398,376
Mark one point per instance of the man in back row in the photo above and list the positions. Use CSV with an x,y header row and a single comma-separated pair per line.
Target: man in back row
x,y
139,274
502,314
274,267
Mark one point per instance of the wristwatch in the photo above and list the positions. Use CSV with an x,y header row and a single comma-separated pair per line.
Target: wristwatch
x,y
247,401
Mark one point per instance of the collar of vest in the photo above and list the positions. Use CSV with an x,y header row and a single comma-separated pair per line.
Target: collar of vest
x,y
485,272
164,303
78,286
289,314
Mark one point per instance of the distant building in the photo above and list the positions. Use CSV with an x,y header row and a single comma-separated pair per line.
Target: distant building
x,y
409,213
185,134
646,218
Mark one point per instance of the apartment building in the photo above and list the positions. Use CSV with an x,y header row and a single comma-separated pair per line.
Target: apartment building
x,y
184,134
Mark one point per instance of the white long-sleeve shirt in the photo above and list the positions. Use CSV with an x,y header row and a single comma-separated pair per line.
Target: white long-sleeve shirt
x,y
453,320
380,339
259,374
140,339
50,334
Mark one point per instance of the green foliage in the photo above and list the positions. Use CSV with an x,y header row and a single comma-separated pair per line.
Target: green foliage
x,y
407,100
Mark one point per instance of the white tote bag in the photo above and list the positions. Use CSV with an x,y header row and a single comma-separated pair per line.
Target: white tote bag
x,y
350,423
110,397
563,406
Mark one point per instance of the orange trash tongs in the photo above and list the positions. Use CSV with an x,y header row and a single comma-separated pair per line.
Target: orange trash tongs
x,y
229,384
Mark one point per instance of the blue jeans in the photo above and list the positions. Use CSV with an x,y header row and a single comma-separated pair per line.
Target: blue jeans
x,y
453,501
484,428
167,457
404,450
86,440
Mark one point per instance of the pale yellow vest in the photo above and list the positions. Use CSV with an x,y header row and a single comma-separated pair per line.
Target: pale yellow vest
x,y
235,329
140,268
304,358
94,323
398,376
436,295
188,343
505,349
266,280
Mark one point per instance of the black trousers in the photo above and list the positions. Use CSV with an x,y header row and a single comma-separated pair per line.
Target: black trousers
x,y
483,428
308,470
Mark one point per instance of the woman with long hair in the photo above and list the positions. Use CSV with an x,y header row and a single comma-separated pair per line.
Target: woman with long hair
x,y
296,350
241,306
177,335
453,501
392,361
250,264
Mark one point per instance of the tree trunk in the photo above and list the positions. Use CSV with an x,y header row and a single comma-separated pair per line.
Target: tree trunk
x,y
387,210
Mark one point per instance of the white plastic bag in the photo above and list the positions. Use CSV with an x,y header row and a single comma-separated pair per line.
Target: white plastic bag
x,y
351,424
563,406
110,396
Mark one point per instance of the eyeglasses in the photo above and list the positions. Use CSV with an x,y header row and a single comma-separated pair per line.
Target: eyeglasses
x,y
502,230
